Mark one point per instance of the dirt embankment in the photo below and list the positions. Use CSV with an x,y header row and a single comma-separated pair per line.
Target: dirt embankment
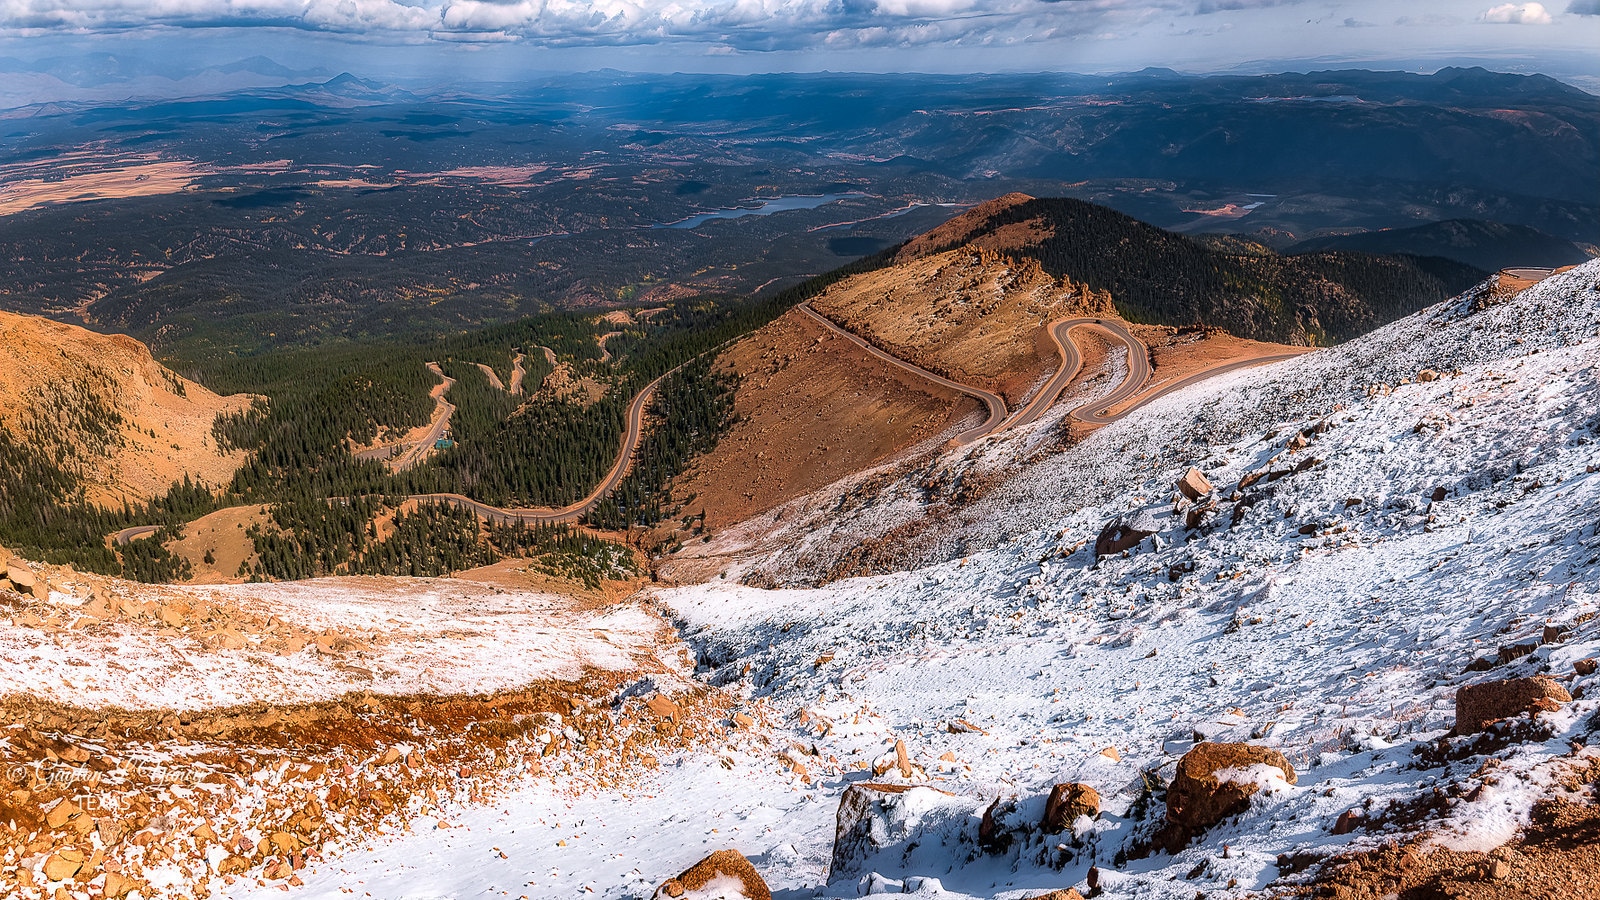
x,y
1177,353
812,408
960,230
124,424
218,545
973,315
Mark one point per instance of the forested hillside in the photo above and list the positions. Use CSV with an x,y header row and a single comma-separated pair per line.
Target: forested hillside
x,y
1164,278
1484,245
534,449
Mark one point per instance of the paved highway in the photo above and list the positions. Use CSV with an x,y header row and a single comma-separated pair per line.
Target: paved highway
x,y
995,405
1072,362
1102,410
1203,374
132,534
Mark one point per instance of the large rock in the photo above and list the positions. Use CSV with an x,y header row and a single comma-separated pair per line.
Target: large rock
x,y
22,579
1067,802
1125,533
894,827
1194,484
1480,705
1215,781
724,875
1065,894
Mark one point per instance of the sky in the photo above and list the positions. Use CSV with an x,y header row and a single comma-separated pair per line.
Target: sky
x,y
488,39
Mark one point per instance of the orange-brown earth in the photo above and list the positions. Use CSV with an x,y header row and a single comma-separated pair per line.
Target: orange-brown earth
x,y
121,422
960,230
1556,857
812,408
222,535
972,315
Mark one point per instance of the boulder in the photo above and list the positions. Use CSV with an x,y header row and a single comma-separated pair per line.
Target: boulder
x,y
63,864
895,826
22,579
992,837
1214,781
1066,894
62,813
1480,705
724,875
1125,533
663,706
1196,515
1067,802
1194,484
118,886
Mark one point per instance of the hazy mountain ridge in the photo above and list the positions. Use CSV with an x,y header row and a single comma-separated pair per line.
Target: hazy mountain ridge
x,y
1484,245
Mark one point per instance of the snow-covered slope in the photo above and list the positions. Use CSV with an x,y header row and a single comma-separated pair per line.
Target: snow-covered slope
x,y
922,512
1380,540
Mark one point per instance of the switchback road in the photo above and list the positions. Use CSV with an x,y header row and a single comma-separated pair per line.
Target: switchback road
x,y
575,511
411,451
995,405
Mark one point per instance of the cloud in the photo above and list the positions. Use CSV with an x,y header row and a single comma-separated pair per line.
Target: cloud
x,y
740,24
1517,14
1357,23
1584,7
1431,20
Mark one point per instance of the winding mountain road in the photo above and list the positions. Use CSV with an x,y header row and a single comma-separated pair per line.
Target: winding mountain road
x,y
995,405
1100,411
411,451
524,515
575,511
1072,363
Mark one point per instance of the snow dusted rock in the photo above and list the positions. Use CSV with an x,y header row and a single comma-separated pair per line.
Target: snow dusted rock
x,y
1194,484
1125,533
1215,781
894,827
1067,802
1067,894
1480,705
724,875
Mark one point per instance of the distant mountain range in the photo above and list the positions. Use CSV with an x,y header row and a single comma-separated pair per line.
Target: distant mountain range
x,y
103,77
1484,245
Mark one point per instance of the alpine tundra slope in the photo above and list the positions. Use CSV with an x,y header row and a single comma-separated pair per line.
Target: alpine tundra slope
x,y
1378,525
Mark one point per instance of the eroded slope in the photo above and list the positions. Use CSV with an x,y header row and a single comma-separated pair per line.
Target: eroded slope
x,y
113,416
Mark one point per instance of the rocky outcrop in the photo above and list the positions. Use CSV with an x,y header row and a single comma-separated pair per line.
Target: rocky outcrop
x,y
1480,705
1125,533
894,824
1214,781
22,580
724,875
1067,802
